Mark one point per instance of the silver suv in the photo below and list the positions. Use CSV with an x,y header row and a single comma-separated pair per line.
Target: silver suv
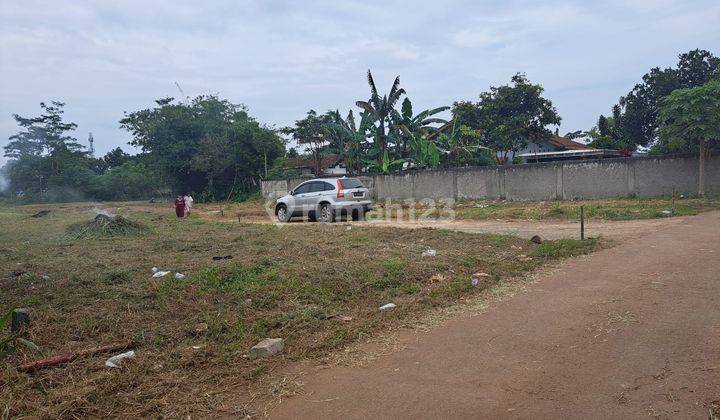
x,y
325,199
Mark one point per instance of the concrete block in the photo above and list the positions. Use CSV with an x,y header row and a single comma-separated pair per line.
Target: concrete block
x,y
267,347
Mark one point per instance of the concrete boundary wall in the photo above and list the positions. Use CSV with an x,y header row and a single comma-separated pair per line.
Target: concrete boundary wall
x,y
606,178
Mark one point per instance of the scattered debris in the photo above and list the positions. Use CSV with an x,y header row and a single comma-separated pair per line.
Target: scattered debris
x,y
222,257
248,302
476,277
344,318
198,347
429,253
69,357
348,228
666,212
41,213
388,307
536,239
154,270
160,274
267,347
117,360
106,226
46,277
20,324
437,278
179,276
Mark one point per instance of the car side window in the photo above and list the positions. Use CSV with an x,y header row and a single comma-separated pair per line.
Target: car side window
x,y
302,189
328,186
316,186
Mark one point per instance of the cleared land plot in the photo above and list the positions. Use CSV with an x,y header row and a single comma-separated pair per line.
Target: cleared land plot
x,y
318,286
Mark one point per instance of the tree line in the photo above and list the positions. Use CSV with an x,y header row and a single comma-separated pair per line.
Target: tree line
x,y
214,149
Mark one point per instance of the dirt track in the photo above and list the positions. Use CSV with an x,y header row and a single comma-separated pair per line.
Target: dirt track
x,y
632,331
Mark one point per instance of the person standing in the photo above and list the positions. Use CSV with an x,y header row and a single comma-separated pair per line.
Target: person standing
x,y
188,204
180,206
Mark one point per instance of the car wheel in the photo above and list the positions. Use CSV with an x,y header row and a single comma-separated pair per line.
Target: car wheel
x,y
283,215
326,213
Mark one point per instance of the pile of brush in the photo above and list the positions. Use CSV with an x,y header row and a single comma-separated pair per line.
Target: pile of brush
x,y
106,226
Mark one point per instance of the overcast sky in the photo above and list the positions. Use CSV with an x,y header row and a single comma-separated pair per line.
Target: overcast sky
x,y
282,58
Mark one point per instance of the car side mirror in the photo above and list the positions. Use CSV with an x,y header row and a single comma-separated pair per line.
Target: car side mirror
x,y
291,192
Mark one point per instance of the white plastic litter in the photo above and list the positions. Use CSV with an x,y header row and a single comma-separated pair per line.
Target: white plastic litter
x,y
117,360
154,270
160,274
666,212
348,228
388,306
179,276
475,278
429,253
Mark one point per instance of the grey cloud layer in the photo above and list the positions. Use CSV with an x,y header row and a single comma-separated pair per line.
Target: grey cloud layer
x,y
282,58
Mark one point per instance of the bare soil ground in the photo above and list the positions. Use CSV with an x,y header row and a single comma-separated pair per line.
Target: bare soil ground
x,y
628,332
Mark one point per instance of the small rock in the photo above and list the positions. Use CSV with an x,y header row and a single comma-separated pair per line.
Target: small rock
x,y
267,347
429,253
388,307
536,239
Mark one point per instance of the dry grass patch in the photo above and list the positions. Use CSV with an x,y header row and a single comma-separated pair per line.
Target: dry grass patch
x,y
318,286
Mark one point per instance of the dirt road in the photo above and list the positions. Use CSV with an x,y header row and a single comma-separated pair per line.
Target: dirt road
x,y
548,229
629,332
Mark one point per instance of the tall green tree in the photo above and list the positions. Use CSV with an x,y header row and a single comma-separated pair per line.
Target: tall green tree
x,y
508,116
46,161
315,133
636,114
207,145
690,118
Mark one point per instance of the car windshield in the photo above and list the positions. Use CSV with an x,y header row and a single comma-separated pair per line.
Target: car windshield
x,y
349,183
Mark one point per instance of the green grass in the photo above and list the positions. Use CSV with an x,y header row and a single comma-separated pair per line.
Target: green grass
x,y
616,209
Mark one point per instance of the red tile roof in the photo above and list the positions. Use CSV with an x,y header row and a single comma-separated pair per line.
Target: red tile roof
x,y
566,144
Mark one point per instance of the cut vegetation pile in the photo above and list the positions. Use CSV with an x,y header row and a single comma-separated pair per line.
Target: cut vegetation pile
x,y
106,226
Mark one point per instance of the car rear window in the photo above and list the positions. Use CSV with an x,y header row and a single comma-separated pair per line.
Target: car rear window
x,y
349,183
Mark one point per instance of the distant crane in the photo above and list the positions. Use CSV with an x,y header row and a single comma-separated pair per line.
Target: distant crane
x,y
181,92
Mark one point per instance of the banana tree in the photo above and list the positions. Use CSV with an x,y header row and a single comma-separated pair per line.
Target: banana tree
x,y
379,110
